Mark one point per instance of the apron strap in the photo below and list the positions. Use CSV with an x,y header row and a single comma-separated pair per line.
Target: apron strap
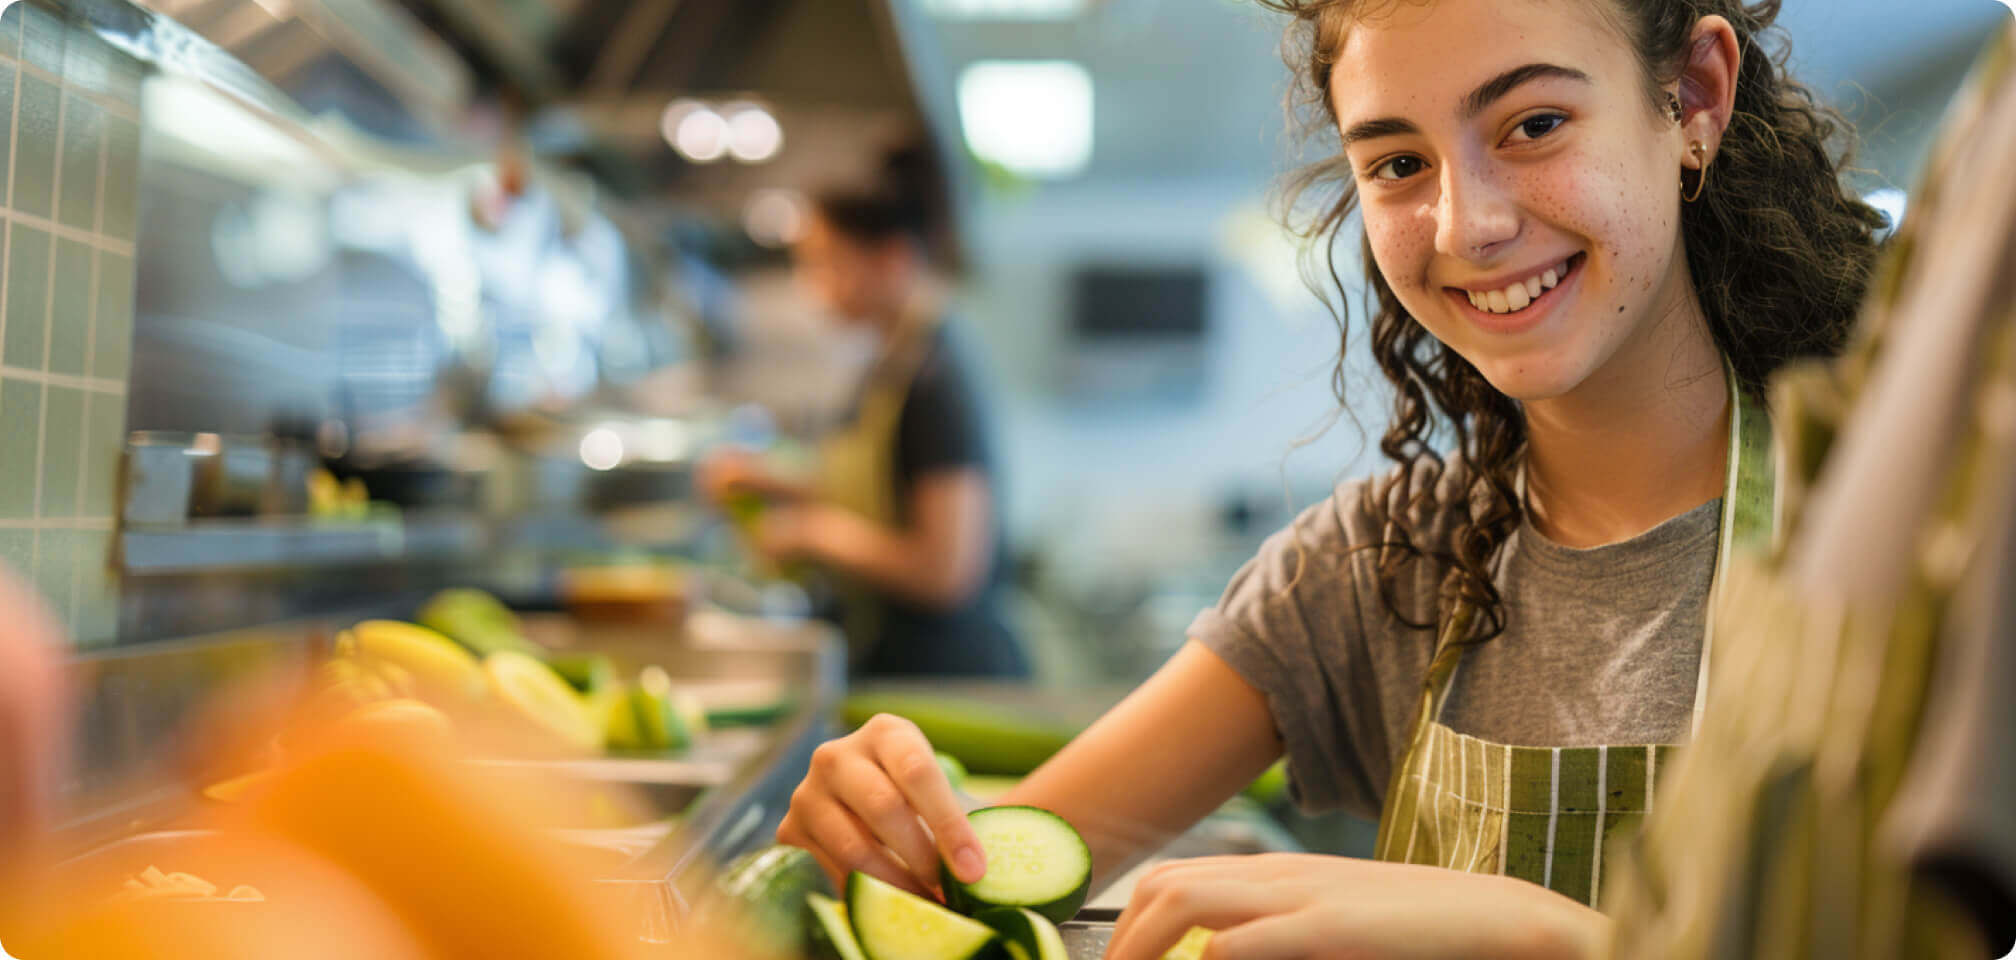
x,y
1749,512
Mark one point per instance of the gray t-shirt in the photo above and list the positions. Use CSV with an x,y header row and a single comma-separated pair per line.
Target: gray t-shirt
x,y
1601,646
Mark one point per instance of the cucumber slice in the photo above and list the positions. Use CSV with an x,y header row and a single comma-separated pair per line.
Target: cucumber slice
x,y
830,930
1034,860
1027,933
771,885
892,924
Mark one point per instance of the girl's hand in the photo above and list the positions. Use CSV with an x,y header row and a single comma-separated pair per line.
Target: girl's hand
x,y
877,801
1310,907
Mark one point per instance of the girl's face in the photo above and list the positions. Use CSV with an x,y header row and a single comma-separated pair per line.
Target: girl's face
x,y
856,280
1520,194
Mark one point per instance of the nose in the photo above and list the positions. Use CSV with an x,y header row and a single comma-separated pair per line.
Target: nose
x,y
1474,216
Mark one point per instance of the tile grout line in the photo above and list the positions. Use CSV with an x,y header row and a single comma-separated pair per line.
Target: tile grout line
x,y
113,104
93,384
48,309
49,292
7,200
69,523
55,228
92,399
35,501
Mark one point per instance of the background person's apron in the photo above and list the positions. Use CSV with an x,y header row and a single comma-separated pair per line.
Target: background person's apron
x,y
857,467
1546,814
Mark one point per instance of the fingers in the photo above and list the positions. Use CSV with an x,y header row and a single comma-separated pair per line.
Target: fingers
x,y
887,812
1213,893
1288,936
790,832
906,757
839,837
860,807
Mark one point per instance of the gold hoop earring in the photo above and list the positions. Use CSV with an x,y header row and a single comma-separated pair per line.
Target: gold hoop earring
x,y
1701,179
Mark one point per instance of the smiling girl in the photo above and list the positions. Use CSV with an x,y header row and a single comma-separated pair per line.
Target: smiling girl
x,y
1592,229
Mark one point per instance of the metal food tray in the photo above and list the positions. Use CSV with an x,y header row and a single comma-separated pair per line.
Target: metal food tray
x,y
1086,935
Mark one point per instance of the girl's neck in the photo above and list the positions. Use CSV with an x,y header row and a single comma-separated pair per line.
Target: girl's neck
x,y
1642,440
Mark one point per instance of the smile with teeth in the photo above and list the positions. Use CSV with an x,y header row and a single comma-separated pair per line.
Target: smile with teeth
x,y
1515,296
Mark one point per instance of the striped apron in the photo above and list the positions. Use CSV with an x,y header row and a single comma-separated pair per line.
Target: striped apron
x,y
1546,814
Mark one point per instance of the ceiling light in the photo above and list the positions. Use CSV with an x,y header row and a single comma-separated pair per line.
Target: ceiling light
x,y
1033,117
602,449
753,134
668,122
695,130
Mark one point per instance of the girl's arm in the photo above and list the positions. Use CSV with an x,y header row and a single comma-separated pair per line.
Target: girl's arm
x,y
1194,734
1178,747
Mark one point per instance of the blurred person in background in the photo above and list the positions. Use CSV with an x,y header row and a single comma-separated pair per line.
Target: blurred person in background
x,y
901,515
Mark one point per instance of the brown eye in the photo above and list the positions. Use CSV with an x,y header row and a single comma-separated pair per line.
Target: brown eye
x,y
1539,125
1398,168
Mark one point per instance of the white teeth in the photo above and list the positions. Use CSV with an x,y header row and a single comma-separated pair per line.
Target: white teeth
x,y
1519,295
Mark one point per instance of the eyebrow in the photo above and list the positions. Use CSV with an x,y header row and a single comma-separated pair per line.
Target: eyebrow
x,y
1487,93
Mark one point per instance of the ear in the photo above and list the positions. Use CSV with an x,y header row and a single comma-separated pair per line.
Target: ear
x,y
1708,84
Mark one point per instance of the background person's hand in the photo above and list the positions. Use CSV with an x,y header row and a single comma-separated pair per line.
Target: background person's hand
x,y
788,532
727,473
877,801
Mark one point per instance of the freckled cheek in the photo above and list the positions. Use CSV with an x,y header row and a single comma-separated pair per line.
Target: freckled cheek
x,y
1401,247
1610,206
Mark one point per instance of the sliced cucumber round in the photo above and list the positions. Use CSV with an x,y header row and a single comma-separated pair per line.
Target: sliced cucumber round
x,y
894,924
832,936
1028,934
1034,860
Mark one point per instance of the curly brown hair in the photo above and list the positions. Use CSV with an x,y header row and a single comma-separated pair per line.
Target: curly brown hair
x,y
1779,250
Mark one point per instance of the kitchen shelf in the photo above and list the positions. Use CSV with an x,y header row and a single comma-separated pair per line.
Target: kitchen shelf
x,y
271,545
236,545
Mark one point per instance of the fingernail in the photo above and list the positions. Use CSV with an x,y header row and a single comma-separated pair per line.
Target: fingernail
x,y
967,864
